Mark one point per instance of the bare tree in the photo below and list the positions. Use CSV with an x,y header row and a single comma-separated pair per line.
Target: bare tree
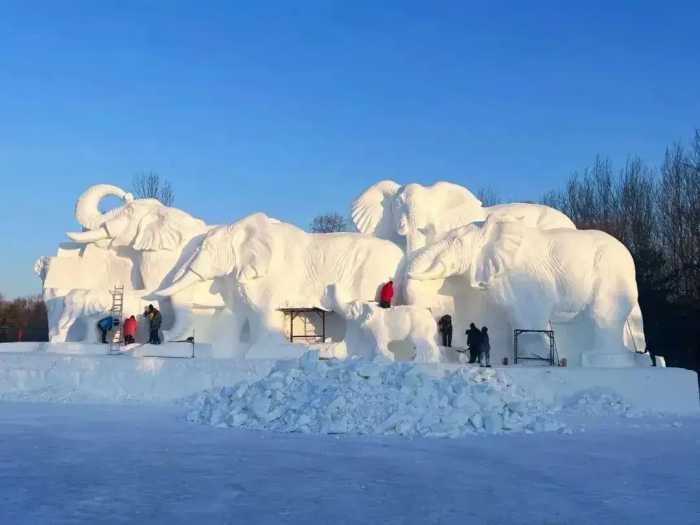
x,y
23,319
151,186
679,210
488,196
329,223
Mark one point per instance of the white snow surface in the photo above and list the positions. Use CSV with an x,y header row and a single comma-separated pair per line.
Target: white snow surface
x,y
74,464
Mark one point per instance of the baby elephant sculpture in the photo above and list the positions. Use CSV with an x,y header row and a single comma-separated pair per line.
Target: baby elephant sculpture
x,y
538,276
382,326
372,329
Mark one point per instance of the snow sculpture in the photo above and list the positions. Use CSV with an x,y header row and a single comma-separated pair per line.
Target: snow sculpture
x,y
407,330
415,215
540,276
507,266
138,245
266,264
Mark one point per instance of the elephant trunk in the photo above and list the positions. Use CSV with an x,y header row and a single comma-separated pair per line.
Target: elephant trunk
x,y
87,211
89,236
427,264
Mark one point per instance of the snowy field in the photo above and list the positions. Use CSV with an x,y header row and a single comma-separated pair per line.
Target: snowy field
x,y
95,439
76,463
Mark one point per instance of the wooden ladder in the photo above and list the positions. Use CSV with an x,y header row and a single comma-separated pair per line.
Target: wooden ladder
x,y
117,313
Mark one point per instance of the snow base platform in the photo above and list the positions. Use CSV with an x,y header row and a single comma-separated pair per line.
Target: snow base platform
x,y
29,372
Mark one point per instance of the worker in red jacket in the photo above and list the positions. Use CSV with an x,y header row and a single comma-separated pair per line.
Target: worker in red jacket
x,y
386,295
130,330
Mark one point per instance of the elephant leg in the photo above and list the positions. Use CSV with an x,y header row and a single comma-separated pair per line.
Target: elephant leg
x,y
59,332
381,338
613,302
609,327
265,326
426,350
609,335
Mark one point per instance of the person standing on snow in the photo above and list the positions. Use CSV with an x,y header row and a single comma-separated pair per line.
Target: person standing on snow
x,y
445,326
154,320
386,295
130,330
485,348
473,341
104,325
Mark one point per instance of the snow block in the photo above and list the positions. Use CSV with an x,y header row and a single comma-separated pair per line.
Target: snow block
x,y
45,376
651,389
120,378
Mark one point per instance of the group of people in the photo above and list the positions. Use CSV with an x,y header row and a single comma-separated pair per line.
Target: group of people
x,y
479,345
151,313
478,342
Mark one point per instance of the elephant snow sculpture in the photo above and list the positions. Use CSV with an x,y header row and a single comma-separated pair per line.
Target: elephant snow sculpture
x,y
422,214
378,328
540,276
267,264
160,235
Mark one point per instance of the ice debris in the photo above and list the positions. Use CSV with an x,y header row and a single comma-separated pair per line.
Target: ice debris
x,y
375,397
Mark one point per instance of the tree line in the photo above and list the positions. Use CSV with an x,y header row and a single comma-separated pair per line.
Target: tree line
x,y
23,319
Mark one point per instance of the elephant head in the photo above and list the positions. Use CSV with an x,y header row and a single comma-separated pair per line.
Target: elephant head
x,y
414,212
242,250
158,232
482,251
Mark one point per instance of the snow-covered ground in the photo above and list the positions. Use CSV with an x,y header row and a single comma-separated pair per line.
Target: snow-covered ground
x,y
120,442
73,463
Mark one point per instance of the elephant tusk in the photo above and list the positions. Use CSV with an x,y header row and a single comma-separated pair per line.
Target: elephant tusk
x,y
89,236
437,271
186,281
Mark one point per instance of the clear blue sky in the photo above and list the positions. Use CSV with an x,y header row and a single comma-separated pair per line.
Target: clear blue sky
x,y
294,109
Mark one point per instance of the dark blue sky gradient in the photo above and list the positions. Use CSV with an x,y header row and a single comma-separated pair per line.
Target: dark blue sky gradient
x,y
293,109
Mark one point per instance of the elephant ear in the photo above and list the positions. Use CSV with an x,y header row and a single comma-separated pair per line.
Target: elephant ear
x,y
455,206
372,211
253,241
164,229
497,252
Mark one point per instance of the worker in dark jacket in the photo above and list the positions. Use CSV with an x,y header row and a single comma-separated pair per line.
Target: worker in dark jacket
x,y
445,327
473,339
104,325
386,295
130,326
154,320
484,348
